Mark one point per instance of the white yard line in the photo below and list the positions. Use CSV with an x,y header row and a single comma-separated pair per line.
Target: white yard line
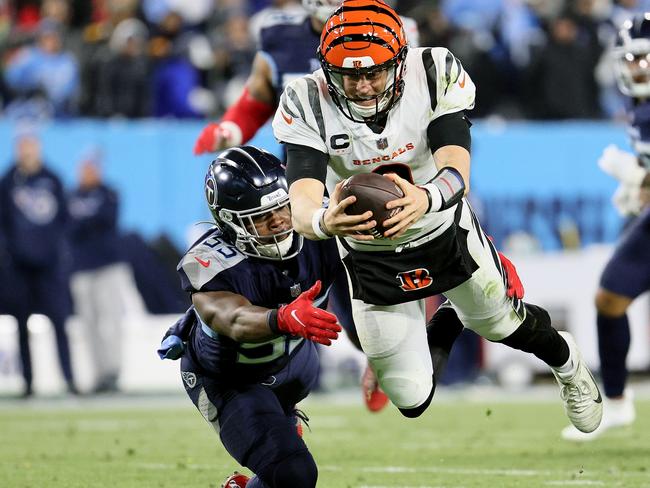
x,y
575,483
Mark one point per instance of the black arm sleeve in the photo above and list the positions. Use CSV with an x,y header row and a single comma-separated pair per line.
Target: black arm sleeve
x,y
450,130
305,162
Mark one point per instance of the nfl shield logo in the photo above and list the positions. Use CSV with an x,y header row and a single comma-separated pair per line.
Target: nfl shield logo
x,y
295,290
382,143
189,378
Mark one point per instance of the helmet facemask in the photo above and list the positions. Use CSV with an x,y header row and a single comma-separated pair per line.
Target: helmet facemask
x,y
241,191
632,56
363,38
384,100
240,227
633,68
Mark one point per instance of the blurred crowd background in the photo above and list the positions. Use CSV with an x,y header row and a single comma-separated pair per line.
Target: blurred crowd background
x,y
534,59
121,88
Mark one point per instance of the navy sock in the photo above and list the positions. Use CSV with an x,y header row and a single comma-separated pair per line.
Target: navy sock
x,y
613,345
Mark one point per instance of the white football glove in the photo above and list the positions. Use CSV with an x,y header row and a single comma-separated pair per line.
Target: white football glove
x,y
622,165
627,200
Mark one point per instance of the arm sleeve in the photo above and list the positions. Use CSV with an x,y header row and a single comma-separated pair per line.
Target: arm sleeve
x,y
305,162
450,130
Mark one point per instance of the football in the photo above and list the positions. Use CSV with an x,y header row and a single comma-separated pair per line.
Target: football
x,y
373,191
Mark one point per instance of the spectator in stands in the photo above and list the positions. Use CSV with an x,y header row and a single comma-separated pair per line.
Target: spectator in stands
x,y
174,76
193,13
560,79
102,283
33,222
123,74
45,69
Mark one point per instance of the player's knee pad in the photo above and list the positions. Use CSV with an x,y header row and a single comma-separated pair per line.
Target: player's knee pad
x,y
405,378
296,470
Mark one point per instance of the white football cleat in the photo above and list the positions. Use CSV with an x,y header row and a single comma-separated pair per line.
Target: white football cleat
x,y
583,403
616,413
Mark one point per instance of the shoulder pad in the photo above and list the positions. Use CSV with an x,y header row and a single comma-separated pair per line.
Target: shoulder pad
x,y
207,259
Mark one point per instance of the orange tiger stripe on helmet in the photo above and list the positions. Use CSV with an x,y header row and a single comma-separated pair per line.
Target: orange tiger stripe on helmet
x,y
367,29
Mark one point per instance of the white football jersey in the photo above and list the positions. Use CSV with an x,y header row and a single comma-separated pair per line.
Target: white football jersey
x,y
435,84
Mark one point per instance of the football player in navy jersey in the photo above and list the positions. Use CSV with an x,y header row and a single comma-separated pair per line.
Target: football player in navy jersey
x,y
627,274
258,292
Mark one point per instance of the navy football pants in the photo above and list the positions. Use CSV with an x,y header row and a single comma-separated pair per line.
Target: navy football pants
x,y
256,422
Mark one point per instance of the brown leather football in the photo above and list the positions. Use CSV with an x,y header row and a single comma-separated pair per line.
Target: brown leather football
x,y
373,191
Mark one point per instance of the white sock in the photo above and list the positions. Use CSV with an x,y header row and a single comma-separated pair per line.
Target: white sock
x,y
569,368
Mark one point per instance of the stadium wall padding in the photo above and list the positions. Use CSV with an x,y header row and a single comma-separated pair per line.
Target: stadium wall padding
x,y
532,177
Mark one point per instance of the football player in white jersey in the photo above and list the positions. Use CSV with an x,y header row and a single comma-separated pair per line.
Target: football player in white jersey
x,y
287,50
377,105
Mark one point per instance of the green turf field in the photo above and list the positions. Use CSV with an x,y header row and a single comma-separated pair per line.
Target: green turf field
x,y
455,444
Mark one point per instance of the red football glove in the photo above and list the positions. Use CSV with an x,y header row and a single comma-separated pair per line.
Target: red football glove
x,y
301,318
214,137
515,287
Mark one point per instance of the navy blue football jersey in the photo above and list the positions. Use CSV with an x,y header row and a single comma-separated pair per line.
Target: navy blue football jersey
x,y
93,227
639,129
34,217
289,44
214,265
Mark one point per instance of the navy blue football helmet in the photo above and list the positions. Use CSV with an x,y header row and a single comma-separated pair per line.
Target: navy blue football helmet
x,y
243,185
632,56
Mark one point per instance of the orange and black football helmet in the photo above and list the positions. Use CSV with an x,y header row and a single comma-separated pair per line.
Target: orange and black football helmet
x,y
362,38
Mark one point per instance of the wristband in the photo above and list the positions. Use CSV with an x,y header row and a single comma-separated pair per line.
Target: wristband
x,y
445,189
434,196
272,321
318,224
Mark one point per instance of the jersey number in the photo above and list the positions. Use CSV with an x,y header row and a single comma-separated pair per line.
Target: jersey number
x,y
226,250
280,347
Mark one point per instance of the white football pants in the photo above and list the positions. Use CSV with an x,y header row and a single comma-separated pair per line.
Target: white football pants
x,y
394,337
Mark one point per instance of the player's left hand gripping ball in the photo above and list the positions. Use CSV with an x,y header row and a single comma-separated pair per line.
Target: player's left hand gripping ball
x,y
301,318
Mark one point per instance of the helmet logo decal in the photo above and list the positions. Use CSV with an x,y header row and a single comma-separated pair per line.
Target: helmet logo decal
x,y
461,83
272,197
358,62
211,192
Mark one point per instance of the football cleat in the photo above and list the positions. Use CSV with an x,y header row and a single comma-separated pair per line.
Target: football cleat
x,y
578,389
236,480
616,413
373,395
301,418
